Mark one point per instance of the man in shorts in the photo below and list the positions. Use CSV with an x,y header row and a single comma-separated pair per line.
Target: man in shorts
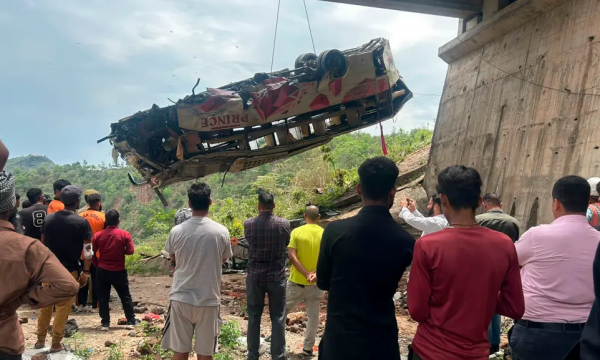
x,y
198,247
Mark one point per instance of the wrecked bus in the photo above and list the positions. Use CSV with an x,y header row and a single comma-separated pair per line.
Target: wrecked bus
x,y
259,120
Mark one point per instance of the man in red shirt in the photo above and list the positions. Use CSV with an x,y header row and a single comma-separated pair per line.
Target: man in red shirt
x,y
113,244
461,276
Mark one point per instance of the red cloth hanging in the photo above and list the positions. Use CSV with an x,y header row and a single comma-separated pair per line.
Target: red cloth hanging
x,y
383,147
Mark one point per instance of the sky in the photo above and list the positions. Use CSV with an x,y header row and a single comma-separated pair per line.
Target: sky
x,y
70,68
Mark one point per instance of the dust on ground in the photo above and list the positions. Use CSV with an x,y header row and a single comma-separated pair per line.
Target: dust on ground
x,y
153,293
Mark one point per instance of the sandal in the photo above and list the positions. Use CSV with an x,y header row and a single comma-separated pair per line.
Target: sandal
x,y
38,346
52,350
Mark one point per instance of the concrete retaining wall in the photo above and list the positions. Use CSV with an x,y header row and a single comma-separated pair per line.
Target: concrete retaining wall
x,y
520,136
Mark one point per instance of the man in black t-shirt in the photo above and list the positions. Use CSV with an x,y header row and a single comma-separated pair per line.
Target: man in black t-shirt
x,y
66,234
32,218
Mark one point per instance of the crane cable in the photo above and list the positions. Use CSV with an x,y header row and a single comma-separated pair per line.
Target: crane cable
x,y
275,36
277,25
309,28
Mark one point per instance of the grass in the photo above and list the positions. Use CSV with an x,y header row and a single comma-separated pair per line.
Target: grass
x,y
223,356
149,329
151,246
77,342
230,332
157,350
115,353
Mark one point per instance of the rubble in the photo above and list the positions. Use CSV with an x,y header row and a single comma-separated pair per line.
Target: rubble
x,y
158,310
145,347
296,318
140,309
71,327
294,329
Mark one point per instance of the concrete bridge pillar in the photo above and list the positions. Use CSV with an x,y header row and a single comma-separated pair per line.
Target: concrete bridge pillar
x,y
521,101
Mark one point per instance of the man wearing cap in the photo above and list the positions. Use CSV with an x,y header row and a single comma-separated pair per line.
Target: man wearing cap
x,y
66,234
593,210
24,261
86,195
56,204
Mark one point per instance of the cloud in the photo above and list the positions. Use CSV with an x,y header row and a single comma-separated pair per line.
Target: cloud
x,y
82,65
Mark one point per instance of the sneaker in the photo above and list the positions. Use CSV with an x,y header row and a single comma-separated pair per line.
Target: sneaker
x,y
307,352
104,328
131,324
494,349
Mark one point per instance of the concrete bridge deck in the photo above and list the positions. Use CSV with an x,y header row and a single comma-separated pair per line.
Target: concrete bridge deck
x,y
451,8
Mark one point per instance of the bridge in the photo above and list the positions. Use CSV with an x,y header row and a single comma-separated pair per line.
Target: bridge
x,y
451,8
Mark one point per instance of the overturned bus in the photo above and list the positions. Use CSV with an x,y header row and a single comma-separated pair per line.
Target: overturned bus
x,y
266,118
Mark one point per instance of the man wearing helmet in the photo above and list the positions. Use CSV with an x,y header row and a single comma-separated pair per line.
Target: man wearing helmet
x,y
593,211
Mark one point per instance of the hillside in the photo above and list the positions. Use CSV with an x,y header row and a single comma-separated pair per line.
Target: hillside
x,y
28,162
318,176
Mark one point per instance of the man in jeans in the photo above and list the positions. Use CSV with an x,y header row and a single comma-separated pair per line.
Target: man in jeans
x,y
268,237
557,272
113,244
198,247
304,253
66,234
494,218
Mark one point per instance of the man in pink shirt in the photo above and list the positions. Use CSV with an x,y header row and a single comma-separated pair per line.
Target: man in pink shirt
x,y
557,276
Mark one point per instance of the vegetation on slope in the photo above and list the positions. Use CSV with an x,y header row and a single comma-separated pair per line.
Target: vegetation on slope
x,y
294,181
28,162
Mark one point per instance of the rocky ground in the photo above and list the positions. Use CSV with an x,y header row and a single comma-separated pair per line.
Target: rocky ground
x,y
151,296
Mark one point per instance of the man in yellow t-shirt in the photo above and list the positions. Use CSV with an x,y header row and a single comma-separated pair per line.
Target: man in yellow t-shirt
x,y
305,242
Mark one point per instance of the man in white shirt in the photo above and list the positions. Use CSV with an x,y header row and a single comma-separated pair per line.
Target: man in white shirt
x,y
428,225
198,248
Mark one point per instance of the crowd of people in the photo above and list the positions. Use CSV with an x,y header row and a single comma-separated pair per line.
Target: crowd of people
x,y
466,271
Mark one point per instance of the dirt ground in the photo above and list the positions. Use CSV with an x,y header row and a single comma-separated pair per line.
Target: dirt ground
x,y
152,292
